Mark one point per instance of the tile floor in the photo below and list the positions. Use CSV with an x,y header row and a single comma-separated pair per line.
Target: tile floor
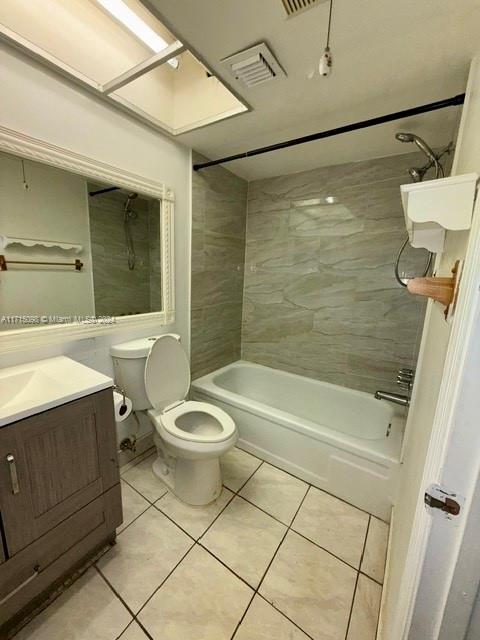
x,y
272,557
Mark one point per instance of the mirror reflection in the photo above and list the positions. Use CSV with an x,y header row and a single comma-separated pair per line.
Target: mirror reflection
x,y
71,248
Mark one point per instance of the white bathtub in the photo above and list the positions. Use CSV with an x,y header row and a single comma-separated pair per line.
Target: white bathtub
x,y
339,440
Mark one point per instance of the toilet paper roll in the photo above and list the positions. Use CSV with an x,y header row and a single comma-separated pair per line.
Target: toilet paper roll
x,y
122,409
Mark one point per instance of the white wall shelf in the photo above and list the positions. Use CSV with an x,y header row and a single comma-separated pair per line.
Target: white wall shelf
x,y
7,241
434,206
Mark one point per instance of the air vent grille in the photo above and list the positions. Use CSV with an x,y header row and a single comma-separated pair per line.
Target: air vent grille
x,y
254,66
253,70
292,7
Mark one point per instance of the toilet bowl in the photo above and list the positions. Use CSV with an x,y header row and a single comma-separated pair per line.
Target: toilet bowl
x,y
189,436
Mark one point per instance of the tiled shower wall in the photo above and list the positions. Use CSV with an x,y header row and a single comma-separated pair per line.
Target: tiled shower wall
x,y
117,289
219,201
320,297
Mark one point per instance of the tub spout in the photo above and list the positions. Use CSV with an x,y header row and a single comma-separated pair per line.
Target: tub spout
x,y
397,398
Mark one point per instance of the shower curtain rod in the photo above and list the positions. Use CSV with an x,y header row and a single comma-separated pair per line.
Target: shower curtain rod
x,y
397,115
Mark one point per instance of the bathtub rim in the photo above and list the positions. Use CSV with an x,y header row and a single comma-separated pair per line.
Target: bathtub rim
x,y
387,455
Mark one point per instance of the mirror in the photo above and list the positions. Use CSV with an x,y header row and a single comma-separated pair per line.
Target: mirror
x,y
74,248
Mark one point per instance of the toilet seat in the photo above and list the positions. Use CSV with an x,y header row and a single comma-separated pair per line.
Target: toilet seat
x,y
198,422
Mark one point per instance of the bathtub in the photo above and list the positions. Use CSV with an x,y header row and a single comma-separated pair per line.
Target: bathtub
x,y
337,439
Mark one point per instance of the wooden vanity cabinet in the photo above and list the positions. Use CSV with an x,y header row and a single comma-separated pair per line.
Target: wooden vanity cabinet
x,y
59,496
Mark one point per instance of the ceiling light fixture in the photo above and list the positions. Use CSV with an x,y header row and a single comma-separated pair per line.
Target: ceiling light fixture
x,y
121,12
326,61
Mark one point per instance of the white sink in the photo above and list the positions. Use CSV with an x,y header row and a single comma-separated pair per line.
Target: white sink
x,y
30,388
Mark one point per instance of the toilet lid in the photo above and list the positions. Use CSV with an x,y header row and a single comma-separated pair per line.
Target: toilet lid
x,y
167,372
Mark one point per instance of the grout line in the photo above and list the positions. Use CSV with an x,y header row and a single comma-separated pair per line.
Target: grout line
x,y
262,509
324,549
141,494
137,460
217,516
175,523
285,615
166,578
130,611
310,484
356,580
222,562
380,584
347,630
288,528
256,591
250,476
243,616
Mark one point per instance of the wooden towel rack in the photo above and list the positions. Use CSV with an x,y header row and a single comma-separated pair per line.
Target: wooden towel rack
x,y
438,288
78,264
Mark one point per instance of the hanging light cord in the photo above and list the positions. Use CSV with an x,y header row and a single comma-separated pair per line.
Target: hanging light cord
x,y
329,24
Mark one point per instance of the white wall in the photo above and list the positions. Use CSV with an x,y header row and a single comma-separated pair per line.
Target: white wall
x,y
429,374
53,208
43,105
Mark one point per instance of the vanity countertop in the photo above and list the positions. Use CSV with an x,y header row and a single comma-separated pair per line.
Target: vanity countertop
x,y
33,387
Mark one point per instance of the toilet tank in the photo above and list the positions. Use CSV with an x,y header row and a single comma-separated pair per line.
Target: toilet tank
x,y
129,360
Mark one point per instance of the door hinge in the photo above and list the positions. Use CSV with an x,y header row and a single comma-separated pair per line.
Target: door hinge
x,y
438,498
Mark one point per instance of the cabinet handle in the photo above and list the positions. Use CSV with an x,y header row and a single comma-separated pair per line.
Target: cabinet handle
x,y
12,466
35,573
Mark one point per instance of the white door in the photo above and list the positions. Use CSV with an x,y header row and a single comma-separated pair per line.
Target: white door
x,y
442,439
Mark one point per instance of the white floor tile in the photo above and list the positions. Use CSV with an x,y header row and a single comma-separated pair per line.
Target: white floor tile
x,y
133,505
237,467
195,520
263,622
201,600
133,632
245,539
279,493
373,563
144,555
366,607
334,525
141,477
88,610
311,587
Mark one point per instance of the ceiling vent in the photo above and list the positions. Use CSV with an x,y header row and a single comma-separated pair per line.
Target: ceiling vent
x,y
293,7
254,65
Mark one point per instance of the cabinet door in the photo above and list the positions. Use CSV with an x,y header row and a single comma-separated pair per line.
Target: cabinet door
x,y
54,463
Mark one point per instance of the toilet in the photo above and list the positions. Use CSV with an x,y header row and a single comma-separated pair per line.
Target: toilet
x,y
190,436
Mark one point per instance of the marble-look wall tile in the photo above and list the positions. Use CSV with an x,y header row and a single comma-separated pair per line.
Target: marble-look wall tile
x,y
119,290
219,207
320,297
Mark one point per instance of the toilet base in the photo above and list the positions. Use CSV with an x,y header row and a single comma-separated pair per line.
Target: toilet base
x,y
195,482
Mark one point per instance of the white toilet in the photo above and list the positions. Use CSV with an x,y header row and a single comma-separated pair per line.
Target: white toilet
x,y
190,436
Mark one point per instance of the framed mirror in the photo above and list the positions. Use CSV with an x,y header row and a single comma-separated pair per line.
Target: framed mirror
x,y
85,248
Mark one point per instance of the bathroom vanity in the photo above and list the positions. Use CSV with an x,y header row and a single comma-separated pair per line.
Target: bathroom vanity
x,y
60,499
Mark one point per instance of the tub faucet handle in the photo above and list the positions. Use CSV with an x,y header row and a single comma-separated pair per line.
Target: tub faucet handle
x,y
405,378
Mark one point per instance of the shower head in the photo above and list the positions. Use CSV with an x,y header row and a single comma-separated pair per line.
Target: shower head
x,y
404,137
421,144
130,197
417,174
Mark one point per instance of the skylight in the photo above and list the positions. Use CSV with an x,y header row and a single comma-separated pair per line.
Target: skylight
x,y
122,52
121,12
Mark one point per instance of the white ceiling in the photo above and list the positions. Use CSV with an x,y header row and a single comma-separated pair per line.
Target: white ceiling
x,y
388,55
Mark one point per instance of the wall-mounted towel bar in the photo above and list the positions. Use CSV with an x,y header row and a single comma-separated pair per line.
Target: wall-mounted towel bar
x,y
78,264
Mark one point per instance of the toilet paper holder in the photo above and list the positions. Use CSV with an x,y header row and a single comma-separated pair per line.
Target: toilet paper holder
x,y
123,409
